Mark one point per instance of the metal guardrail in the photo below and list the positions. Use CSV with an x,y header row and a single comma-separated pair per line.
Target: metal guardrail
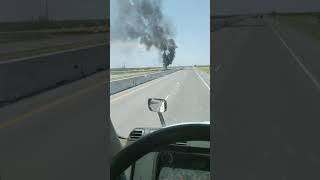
x,y
121,85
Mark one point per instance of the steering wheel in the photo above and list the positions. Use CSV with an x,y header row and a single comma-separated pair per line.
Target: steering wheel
x,y
161,137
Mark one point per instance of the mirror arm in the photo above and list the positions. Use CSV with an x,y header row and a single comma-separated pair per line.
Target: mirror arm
x,y
161,119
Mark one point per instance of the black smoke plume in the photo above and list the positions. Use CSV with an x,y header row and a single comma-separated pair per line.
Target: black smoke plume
x,y
143,20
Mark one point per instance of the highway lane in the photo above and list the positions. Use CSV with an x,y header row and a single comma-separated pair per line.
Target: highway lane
x,y
19,47
305,47
187,94
58,134
266,107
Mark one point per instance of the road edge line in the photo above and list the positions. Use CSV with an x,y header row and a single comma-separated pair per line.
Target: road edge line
x,y
297,59
202,79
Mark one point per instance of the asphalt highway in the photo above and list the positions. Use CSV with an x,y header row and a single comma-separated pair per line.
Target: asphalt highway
x,y
61,133
266,102
58,134
188,97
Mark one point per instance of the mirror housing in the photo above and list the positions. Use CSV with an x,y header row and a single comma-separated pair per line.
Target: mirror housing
x,y
157,105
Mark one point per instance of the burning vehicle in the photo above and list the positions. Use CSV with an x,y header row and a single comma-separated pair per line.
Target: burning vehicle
x,y
145,22
169,51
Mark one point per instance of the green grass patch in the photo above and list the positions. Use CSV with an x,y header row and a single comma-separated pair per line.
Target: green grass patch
x,y
120,73
205,69
129,74
115,71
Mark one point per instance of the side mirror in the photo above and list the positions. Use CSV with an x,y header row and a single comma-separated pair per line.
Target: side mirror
x,y
157,105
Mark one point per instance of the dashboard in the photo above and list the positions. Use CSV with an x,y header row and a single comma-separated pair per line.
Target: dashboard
x,y
177,173
179,161
182,165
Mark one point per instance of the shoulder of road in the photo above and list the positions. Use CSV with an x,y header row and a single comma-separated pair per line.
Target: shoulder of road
x,y
23,44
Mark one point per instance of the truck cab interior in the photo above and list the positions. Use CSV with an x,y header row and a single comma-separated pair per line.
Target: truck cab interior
x,y
180,151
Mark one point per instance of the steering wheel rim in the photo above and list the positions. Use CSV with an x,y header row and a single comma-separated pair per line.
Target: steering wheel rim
x,y
171,134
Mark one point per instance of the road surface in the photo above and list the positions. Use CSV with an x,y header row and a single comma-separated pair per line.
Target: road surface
x,y
58,134
20,46
187,94
266,102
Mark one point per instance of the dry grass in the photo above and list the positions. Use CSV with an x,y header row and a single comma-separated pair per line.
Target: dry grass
x,y
49,49
205,69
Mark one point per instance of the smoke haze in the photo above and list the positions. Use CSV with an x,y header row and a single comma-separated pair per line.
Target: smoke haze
x,y
144,21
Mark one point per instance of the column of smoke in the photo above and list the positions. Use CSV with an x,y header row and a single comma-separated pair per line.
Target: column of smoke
x,y
143,20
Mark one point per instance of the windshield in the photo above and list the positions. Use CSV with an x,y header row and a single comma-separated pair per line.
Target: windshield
x,y
157,53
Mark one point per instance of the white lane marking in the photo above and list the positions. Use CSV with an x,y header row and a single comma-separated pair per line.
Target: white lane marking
x,y
202,79
51,53
142,87
309,74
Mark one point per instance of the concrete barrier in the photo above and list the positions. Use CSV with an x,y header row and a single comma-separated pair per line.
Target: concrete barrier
x,y
93,60
23,77
121,85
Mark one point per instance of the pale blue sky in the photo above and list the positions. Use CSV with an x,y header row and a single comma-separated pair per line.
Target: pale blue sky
x,y
192,21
